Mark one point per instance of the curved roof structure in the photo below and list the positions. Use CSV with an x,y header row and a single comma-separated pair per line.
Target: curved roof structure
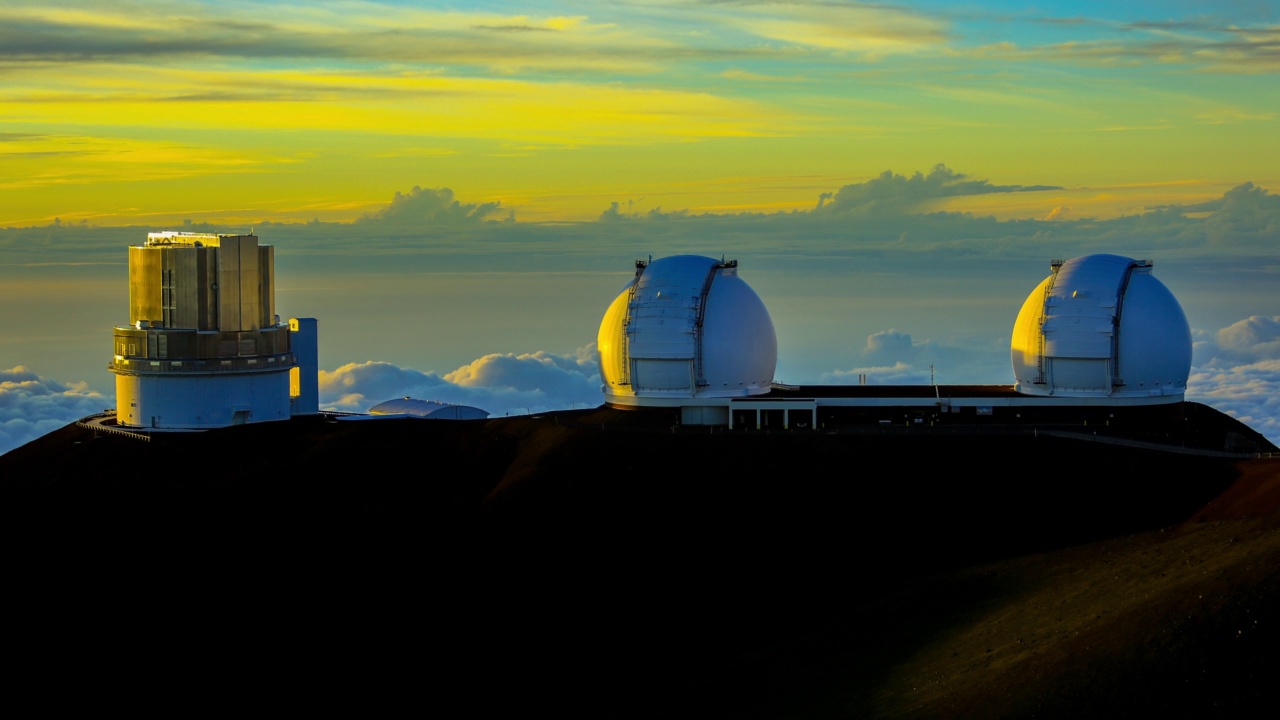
x,y
1101,325
686,327
428,409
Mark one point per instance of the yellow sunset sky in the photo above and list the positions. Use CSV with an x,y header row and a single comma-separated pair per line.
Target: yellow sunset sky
x,y
238,112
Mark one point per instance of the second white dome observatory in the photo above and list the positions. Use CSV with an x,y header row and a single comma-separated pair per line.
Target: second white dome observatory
x,y
684,327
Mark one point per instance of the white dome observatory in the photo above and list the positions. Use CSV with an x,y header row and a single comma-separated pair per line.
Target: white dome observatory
x,y
686,327
1102,326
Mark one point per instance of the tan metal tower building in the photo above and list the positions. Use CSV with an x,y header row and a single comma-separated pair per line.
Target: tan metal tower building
x,y
204,347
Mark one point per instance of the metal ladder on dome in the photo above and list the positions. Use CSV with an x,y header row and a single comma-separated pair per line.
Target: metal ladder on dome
x,y
699,378
625,354
1054,266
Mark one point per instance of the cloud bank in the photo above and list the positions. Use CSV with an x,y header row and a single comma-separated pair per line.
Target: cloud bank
x,y
1235,370
421,208
31,406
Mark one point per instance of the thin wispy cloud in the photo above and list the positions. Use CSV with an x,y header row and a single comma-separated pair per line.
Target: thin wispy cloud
x,y
866,29
355,33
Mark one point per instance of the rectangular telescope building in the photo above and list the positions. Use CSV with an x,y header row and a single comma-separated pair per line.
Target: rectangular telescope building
x,y
204,347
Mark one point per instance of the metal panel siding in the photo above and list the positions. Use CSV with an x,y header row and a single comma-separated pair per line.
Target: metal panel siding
x,y
1080,374
250,284
1080,311
664,375
266,285
228,284
207,277
185,285
664,311
145,296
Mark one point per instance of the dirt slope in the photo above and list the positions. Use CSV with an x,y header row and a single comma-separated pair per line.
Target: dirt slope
x,y
602,564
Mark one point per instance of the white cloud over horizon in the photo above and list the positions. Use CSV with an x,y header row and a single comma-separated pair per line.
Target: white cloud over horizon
x,y
892,357
501,384
31,405
1237,370
1250,393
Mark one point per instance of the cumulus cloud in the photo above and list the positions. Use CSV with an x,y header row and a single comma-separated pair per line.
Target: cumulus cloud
x,y
613,214
421,208
1248,392
893,194
1245,341
31,406
1244,215
501,384
892,357
355,387
887,195
1237,371
616,213
889,345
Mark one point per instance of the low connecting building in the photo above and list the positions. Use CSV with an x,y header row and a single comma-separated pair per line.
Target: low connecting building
x,y
204,347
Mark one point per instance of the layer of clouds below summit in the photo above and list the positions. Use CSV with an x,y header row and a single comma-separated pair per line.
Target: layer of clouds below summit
x,y
501,384
31,405
1237,371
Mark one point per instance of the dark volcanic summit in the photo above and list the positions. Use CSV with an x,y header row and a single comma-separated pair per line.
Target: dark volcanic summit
x,y
615,564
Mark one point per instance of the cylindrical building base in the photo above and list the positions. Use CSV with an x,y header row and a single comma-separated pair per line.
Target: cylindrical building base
x,y
171,401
